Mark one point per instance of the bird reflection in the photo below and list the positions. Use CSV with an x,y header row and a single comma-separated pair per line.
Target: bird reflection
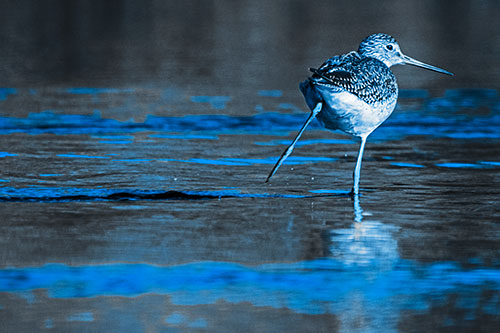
x,y
366,242
358,211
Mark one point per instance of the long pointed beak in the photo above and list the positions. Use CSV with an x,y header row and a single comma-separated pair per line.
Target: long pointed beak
x,y
411,61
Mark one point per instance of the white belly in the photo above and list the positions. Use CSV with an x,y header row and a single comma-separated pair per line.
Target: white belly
x,y
346,112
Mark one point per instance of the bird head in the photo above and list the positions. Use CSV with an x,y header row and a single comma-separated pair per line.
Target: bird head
x,y
386,49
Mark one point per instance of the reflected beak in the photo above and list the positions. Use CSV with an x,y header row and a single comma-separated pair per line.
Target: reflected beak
x,y
411,61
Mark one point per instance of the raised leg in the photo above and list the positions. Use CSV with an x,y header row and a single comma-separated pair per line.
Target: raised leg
x,y
357,169
289,150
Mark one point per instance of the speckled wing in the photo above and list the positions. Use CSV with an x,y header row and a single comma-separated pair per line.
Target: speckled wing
x,y
367,78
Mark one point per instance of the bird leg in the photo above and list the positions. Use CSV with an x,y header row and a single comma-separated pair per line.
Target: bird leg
x,y
357,169
289,150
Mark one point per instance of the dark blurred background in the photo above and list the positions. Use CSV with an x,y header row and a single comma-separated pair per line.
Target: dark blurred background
x,y
237,43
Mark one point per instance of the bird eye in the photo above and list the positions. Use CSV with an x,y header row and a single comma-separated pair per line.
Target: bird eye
x,y
389,47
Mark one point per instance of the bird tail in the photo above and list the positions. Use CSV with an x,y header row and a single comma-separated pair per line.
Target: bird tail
x,y
310,93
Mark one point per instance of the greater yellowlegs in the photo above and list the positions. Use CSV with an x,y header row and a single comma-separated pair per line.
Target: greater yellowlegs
x,y
355,92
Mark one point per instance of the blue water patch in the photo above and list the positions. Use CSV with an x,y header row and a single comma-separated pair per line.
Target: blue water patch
x,y
5,154
117,142
178,319
472,135
336,192
4,92
83,316
288,106
460,165
51,122
175,319
259,108
50,174
216,102
113,137
82,156
130,207
323,285
407,165
478,165
96,91
271,93
492,163
307,142
49,323
184,136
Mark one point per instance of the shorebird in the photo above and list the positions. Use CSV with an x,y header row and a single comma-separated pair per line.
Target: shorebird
x,y
355,92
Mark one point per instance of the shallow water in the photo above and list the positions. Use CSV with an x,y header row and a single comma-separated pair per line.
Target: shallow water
x,y
116,219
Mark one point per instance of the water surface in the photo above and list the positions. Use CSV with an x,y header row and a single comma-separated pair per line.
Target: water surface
x,y
168,214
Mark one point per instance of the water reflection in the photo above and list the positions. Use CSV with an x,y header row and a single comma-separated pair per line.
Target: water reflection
x,y
366,242
362,281
358,211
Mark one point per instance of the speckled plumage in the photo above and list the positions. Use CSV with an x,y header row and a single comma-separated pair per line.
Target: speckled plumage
x,y
367,78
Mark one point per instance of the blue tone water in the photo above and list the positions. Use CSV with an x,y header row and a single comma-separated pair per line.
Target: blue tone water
x,y
318,286
271,93
122,204
57,194
216,102
136,137
450,116
96,91
5,92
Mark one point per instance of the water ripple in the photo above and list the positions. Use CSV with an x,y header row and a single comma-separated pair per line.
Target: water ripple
x,y
48,194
